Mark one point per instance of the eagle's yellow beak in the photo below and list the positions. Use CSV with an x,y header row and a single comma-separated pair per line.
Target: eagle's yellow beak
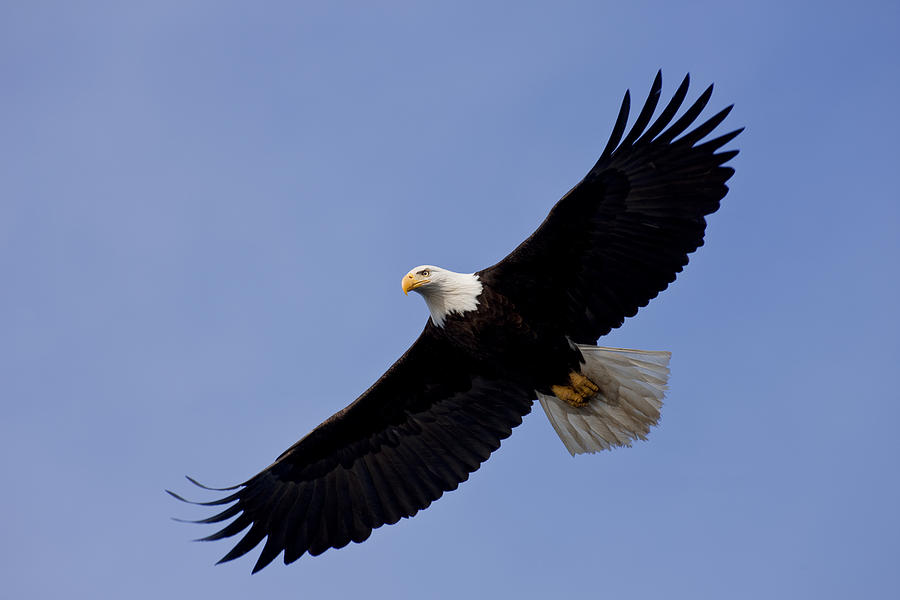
x,y
411,281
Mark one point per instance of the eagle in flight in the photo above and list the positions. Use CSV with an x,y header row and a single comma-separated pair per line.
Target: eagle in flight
x,y
521,330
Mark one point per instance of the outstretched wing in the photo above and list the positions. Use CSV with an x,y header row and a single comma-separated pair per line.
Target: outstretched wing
x,y
620,236
418,432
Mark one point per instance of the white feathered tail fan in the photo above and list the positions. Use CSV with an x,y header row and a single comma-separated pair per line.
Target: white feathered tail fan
x,y
632,385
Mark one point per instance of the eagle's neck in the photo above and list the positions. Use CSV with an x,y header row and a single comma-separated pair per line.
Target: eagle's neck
x,y
452,293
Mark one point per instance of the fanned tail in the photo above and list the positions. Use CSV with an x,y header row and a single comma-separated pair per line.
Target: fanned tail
x,y
632,385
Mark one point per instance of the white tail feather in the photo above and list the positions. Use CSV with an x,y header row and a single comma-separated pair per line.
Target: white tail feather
x,y
632,385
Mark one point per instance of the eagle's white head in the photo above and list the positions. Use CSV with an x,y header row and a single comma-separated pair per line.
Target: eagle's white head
x,y
445,292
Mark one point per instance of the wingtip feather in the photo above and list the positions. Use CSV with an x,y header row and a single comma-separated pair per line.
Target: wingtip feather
x,y
212,489
619,128
668,112
687,118
218,502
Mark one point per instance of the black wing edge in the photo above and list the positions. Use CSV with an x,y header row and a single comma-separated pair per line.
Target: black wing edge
x,y
258,529
640,134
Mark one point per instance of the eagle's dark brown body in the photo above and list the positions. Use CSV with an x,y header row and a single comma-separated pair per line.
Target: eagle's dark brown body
x,y
498,341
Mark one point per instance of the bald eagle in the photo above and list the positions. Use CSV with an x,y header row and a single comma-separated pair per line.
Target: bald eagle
x,y
497,340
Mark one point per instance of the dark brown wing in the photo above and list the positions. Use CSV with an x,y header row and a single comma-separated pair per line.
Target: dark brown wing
x,y
418,432
620,236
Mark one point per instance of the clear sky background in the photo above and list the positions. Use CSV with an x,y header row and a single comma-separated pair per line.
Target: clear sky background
x,y
205,212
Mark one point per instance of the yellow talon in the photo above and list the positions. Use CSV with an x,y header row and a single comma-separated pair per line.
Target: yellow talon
x,y
582,385
568,395
579,391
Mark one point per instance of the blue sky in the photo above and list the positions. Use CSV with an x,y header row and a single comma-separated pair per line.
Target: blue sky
x,y
205,212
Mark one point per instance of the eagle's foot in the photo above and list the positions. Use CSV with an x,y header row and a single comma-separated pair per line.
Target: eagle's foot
x,y
578,393
567,394
582,385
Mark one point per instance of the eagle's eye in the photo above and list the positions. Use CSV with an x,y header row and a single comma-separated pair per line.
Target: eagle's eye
x,y
425,273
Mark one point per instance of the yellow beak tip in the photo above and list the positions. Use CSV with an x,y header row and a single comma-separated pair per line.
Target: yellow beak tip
x,y
410,283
